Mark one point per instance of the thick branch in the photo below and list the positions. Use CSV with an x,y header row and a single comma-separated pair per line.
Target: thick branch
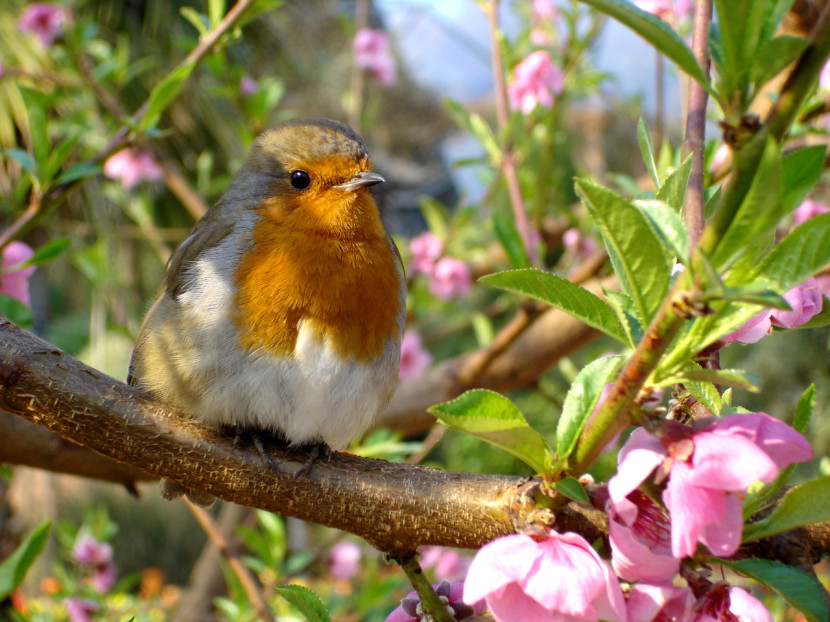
x,y
395,507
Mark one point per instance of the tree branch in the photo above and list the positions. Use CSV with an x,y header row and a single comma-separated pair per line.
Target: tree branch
x,y
395,507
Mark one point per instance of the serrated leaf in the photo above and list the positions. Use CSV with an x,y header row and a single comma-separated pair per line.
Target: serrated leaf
x,y
511,241
48,252
623,306
571,488
799,589
582,398
805,505
804,409
730,377
707,394
801,170
800,255
765,297
305,601
669,227
647,151
163,95
759,211
15,566
658,33
640,263
562,294
739,29
494,418
673,190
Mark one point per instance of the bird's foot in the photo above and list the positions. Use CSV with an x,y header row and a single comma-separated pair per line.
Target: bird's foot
x,y
318,450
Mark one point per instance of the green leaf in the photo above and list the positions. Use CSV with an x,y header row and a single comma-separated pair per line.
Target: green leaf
x,y
163,95
15,311
805,505
669,227
707,394
24,159
639,260
800,255
623,306
571,488
48,252
673,190
801,170
79,171
729,377
799,589
483,134
59,155
758,213
198,20
562,294
38,126
494,418
580,402
306,602
739,26
15,566
647,151
774,56
804,410
658,33
510,240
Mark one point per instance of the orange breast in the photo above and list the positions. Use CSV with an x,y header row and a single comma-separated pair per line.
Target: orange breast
x,y
323,261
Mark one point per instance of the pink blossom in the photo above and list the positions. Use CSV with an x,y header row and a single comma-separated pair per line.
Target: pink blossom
x,y
410,608
131,167
80,609
535,81
15,282
372,53
577,245
344,560
707,470
753,330
45,20
805,301
807,210
824,77
660,8
660,602
97,556
449,564
450,278
103,578
641,549
248,86
523,579
683,10
414,357
730,603
544,10
426,249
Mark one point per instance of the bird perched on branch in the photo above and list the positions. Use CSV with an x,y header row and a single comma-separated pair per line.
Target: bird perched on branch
x,y
283,310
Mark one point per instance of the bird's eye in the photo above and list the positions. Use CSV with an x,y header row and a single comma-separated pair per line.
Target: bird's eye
x,y
300,179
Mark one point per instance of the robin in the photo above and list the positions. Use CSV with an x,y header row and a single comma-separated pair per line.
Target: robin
x,y
283,310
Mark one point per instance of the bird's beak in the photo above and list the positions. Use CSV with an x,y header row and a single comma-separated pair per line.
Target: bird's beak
x,y
361,180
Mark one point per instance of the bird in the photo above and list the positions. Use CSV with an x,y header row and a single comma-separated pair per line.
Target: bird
x,y
283,310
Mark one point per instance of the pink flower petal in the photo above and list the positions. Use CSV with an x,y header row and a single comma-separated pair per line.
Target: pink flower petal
x,y
650,602
633,560
450,278
641,454
805,300
16,284
779,441
729,462
753,330
746,607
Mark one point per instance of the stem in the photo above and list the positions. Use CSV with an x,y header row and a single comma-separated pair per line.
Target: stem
x,y
243,575
508,165
429,599
361,20
696,124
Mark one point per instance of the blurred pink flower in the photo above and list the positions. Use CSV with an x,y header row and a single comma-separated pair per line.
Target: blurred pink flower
x,y
80,609
724,602
824,77
372,53
707,469
535,81
97,557
448,563
660,8
683,10
450,278
426,249
16,284
410,607
131,167
45,20
248,86
660,603
753,330
721,155
641,547
559,578
344,560
414,357
544,9
577,245
807,210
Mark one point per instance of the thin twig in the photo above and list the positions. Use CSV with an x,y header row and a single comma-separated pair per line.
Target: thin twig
x,y
508,165
696,124
429,599
361,20
221,542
